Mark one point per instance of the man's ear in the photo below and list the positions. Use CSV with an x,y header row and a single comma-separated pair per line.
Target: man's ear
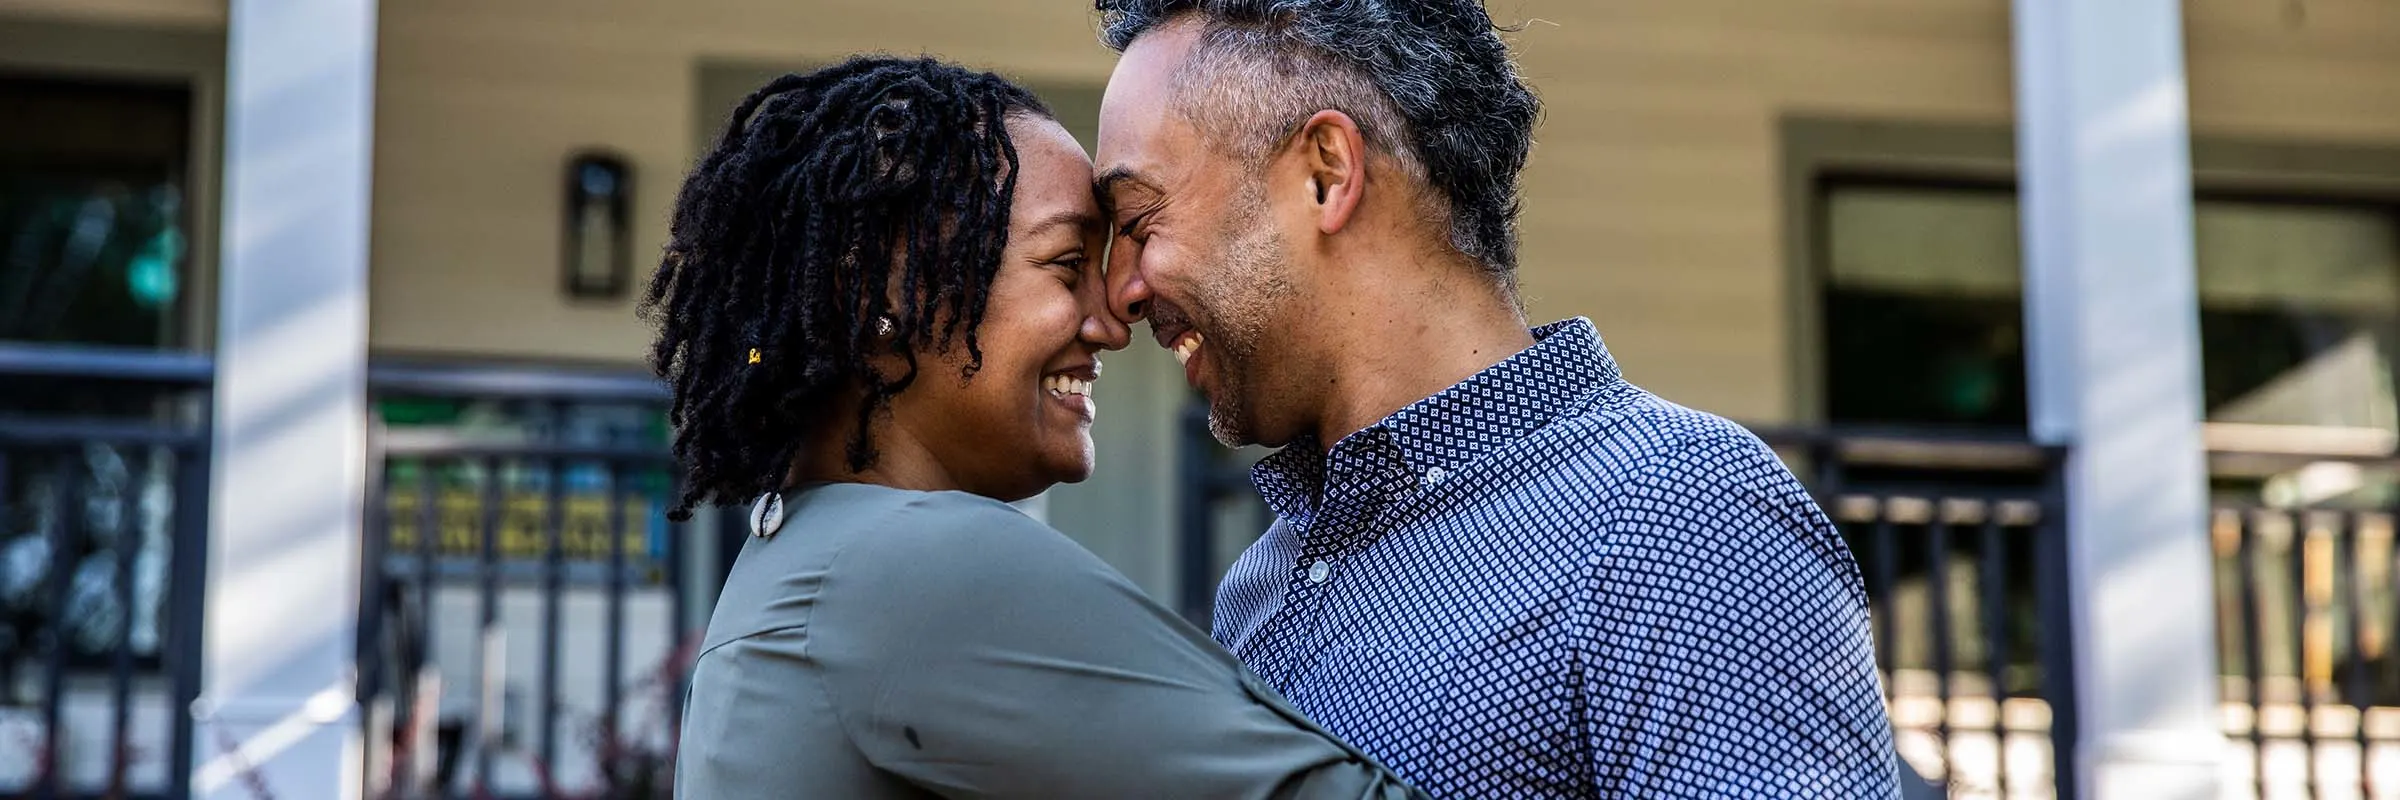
x,y
1333,160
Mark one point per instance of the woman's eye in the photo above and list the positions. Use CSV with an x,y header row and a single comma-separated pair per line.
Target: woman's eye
x,y
1074,264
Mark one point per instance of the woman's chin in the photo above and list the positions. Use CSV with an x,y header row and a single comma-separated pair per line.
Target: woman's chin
x,y
1077,473
1073,468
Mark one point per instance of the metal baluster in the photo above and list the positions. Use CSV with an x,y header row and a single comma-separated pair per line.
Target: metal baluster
x,y
2302,532
188,560
2253,655
1886,656
553,571
1993,580
2354,600
377,679
129,543
429,532
8,665
1195,539
1937,582
2392,601
491,647
2052,561
54,677
679,607
614,668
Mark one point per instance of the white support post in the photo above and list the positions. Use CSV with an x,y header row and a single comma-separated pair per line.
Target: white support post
x,y
277,708
2113,352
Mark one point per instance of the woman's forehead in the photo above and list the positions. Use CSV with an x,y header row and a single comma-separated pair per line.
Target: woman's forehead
x,y
1054,178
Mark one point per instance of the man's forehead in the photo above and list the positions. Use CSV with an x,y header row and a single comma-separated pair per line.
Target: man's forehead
x,y
1140,91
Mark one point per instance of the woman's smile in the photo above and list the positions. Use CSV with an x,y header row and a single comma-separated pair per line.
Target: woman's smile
x,y
1072,389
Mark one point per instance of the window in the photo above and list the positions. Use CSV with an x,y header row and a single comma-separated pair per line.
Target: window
x,y
93,244
1923,303
2299,308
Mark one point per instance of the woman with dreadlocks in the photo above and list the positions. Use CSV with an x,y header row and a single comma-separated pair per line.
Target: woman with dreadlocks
x,y
881,312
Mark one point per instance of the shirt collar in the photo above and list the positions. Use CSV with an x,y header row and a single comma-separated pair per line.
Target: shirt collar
x,y
1566,365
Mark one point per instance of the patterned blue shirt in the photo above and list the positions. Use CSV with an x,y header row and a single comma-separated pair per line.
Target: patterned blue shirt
x,y
1545,582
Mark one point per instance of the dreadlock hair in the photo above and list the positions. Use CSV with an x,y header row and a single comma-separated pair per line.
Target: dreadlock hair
x,y
875,189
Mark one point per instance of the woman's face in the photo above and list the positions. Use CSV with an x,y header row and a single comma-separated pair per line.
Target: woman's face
x,y
1024,420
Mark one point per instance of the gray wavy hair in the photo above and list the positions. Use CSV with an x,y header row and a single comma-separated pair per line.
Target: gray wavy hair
x,y
1429,82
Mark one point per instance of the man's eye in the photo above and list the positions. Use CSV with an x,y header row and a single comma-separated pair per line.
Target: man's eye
x,y
1131,227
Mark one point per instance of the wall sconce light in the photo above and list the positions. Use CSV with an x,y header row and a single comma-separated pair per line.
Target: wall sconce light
x,y
596,252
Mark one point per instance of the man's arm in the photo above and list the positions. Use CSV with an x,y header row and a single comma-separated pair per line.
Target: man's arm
x,y
982,654
1725,644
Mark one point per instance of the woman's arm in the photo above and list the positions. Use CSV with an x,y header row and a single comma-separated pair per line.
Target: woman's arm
x,y
978,653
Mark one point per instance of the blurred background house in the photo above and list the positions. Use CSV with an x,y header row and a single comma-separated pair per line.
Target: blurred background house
x,y
1799,214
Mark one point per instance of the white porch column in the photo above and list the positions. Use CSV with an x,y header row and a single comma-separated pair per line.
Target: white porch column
x,y
2113,351
277,704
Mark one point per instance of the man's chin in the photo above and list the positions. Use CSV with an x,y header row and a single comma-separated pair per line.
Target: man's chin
x,y
1227,435
1231,427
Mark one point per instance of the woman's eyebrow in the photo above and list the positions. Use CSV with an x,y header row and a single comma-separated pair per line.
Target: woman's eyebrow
x,y
1073,217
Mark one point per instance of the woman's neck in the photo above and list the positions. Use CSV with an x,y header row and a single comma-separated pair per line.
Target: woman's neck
x,y
902,461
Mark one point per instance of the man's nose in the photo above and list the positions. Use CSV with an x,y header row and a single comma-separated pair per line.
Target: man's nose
x,y
1102,329
1128,291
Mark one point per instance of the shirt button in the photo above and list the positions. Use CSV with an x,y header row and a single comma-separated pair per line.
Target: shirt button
x,y
1318,572
1435,475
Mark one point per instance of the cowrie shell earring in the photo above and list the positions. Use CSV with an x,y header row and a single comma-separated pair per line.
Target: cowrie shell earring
x,y
766,515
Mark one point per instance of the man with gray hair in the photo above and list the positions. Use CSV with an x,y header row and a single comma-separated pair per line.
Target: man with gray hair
x,y
1496,565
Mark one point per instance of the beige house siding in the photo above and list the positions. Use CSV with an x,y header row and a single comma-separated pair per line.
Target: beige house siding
x,y
480,103
1654,201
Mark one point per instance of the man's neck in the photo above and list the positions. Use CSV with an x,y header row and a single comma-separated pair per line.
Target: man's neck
x,y
1398,342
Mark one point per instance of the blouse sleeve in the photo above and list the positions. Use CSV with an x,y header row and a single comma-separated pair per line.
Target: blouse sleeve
x,y
977,653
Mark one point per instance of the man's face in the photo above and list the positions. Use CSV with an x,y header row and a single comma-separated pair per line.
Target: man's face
x,y
1197,250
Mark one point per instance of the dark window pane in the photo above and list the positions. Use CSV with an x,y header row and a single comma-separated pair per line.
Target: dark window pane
x,y
1922,309
2299,309
93,243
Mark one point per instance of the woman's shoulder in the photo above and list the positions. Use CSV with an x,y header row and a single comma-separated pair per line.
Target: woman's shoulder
x,y
858,545
939,533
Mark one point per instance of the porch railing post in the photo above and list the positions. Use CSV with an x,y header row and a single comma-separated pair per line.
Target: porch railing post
x,y
278,707
2113,371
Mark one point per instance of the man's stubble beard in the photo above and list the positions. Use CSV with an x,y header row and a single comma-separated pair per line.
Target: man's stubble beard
x,y
1244,296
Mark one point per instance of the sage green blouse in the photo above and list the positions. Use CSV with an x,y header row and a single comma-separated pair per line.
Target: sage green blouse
x,y
883,643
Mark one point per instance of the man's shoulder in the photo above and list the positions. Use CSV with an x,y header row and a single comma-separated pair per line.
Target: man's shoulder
x,y
1625,434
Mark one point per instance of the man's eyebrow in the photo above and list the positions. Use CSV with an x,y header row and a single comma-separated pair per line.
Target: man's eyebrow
x,y
1106,186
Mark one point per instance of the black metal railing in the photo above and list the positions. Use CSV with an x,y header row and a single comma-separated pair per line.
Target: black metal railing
x,y
523,500
1959,544
2308,614
1960,541
104,459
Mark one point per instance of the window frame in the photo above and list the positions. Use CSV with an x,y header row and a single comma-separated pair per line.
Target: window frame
x,y
1818,152
187,58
